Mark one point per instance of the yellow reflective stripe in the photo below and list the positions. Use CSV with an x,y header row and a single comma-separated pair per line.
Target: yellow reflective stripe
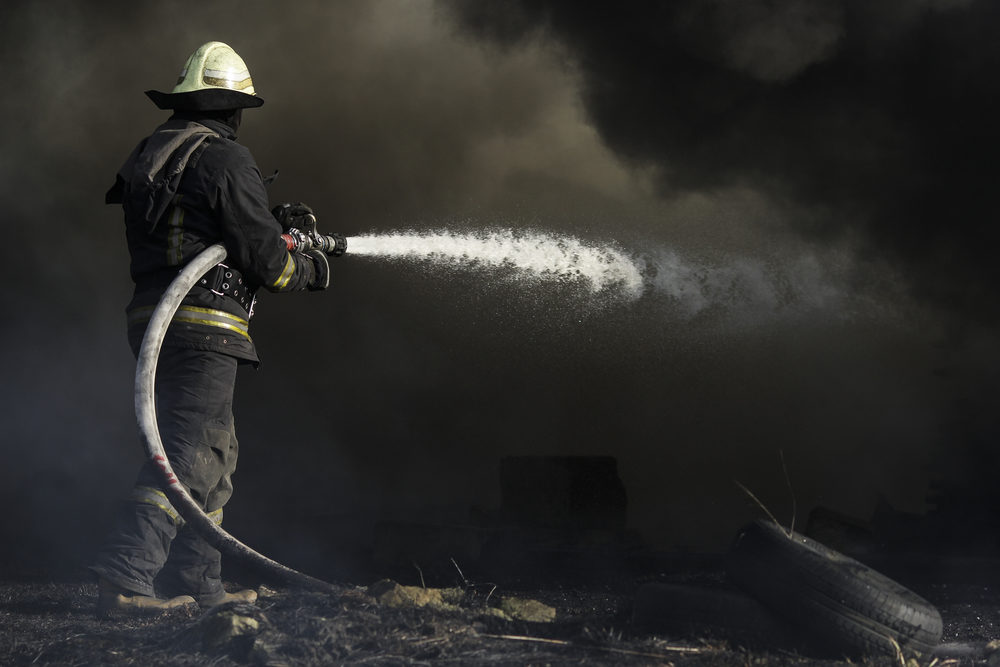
x,y
140,315
226,74
227,83
157,498
195,315
211,323
214,313
175,234
286,273
213,318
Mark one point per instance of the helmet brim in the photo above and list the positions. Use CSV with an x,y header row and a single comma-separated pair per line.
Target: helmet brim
x,y
210,99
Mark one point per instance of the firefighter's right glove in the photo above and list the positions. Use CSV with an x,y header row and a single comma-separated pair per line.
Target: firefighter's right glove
x,y
321,270
294,215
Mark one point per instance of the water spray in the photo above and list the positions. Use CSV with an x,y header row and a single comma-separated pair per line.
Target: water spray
x,y
532,256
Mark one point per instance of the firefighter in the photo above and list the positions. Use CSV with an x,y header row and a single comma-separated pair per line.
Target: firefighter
x,y
184,188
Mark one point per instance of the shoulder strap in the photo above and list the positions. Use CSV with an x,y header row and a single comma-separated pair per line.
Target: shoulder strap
x,y
152,174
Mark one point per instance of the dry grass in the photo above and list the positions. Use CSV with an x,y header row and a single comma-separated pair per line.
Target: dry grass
x,y
46,624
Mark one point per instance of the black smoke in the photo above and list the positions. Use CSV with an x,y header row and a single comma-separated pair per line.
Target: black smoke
x,y
881,118
809,182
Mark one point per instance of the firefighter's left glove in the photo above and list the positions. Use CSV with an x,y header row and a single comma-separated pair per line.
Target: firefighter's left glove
x,y
321,270
294,215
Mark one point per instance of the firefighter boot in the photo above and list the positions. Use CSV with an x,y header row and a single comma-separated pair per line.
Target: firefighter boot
x,y
112,598
247,595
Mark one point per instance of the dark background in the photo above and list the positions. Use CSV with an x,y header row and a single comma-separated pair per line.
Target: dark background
x,y
809,186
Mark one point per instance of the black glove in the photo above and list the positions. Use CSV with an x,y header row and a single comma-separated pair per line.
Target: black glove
x,y
321,270
294,214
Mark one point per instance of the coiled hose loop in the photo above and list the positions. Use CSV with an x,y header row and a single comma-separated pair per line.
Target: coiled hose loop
x,y
145,411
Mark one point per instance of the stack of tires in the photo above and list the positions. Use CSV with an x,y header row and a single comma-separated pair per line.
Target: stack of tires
x,y
801,594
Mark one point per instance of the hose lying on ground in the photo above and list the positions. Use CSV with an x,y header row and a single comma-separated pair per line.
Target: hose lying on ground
x,y
145,410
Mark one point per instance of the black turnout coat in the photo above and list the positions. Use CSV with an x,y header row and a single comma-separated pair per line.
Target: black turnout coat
x,y
184,188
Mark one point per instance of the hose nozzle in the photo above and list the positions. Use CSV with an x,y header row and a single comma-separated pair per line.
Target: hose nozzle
x,y
334,245
298,241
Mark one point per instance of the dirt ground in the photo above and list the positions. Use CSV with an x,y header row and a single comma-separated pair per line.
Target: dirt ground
x,y
53,623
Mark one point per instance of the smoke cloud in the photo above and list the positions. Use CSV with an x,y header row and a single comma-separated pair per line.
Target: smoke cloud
x,y
876,117
806,187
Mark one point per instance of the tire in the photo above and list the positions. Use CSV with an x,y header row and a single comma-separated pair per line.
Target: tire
x,y
843,604
699,612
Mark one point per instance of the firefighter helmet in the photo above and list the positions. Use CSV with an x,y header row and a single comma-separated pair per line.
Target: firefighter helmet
x,y
214,78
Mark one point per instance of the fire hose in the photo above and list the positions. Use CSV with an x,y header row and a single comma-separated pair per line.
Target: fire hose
x,y
145,406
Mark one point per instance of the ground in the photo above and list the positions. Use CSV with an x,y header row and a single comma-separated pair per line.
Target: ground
x,y
53,623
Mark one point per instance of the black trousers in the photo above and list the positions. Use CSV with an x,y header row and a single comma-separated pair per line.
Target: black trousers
x,y
150,548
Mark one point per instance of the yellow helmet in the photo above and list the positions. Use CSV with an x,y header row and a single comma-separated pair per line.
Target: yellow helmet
x,y
214,78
